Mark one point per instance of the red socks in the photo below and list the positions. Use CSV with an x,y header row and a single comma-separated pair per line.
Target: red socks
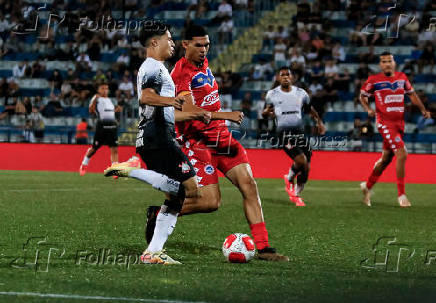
x,y
372,179
400,186
260,235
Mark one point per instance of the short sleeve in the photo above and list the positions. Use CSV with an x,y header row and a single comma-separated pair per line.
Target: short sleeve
x,y
367,88
182,80
407,85
152,78
268,99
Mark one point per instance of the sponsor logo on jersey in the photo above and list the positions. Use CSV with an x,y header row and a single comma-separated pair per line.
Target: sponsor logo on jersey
x,y
395,109
193,161
190,153
208,169
394,98
201,79
210,99
185,167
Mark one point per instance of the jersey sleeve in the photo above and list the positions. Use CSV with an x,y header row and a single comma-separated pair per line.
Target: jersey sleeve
x,y
367,88
408,88
268,99
306,102
182,80
151,78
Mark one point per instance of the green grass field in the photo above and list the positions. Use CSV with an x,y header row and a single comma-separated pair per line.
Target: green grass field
x,y
328,242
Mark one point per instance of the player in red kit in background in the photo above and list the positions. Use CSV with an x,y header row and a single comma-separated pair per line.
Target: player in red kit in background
x,y
211,147
388,89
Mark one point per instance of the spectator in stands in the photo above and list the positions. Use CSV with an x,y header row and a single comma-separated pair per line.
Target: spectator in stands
x,y
282,33
83,63
28,136
37,69
82,132
4,89
296,57
225,88
226,108
27,103
53,107
317,71
279,53
126,88
225,31
37,123
338,52
303,13
268,38
246,104
56,80
331,93
122,62
262,70
427,58
10,108
19,70
5,27
369,57
224,10
342,80
331,69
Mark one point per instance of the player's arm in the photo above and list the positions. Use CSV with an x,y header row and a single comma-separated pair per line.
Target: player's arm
x,y
203,116
318,121
268,111
93,105
364,100
190,106
150,97
417,101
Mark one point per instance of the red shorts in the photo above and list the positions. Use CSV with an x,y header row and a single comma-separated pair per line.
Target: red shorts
x,y
206,160
392,134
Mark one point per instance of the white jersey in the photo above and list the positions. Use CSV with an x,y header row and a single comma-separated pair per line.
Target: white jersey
x,y
153,74
288,106
105,109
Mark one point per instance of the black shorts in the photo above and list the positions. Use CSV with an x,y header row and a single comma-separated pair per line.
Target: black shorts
x,y
169,161
106,133
295,143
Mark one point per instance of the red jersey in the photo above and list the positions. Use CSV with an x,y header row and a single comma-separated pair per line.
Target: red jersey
x,y
389,95
204,88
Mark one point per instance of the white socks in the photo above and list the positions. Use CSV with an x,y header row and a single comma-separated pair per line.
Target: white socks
x,y
158,181
299,188
85,160
165,224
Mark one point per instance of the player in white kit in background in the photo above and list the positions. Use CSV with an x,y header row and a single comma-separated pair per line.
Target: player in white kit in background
x,y
288,103
106,132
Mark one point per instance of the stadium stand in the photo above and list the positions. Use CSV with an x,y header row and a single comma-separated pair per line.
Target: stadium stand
x,y
54,53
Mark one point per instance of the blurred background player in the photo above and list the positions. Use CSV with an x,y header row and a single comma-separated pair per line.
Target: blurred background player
x,y
287,103
210,146
82,132
388,89
106,129
169,170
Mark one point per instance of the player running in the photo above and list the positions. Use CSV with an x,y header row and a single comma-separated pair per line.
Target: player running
x,y
211,147
388,89
169,170
106,130
288,103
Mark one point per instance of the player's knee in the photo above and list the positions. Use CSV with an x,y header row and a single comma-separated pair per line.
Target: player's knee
x,y
401,154
301,161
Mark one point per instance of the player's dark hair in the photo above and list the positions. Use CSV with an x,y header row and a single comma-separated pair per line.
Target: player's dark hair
x,y
194,31
150,29
103,83
285,68
385,53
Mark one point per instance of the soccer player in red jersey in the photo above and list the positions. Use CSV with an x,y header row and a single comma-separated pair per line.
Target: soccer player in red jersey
x,y
211,147
388,89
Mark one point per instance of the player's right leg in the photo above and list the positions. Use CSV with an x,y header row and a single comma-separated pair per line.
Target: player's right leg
x,y
85,162
379,166
300,165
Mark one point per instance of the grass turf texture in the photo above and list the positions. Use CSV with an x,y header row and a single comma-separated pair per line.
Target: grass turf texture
x,y
326,241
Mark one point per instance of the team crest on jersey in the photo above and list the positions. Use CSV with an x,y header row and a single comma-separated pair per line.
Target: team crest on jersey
x,y
210,99
185,167
397,139
208,169
201,79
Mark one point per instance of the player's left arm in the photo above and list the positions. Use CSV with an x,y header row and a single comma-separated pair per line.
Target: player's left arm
x,y
93,105
189,106
307,107
203,116
417,101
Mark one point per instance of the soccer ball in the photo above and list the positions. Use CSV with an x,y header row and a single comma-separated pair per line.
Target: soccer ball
x,y
238,248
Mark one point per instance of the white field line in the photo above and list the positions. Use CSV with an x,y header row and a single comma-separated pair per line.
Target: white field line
x,y
78,297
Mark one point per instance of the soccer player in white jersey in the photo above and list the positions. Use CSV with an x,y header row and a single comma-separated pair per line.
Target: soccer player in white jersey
x,y
287,103
168,169
106,130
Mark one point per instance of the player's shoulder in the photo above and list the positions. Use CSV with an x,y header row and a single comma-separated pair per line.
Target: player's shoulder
x,y
182,67
375,77
273,92
300,91
150,65
400,75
